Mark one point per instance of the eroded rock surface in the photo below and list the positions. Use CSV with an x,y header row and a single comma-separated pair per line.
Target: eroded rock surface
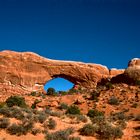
x,y
32,72
133,70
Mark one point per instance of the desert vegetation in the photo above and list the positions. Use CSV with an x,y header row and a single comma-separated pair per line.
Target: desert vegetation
x,y
102,113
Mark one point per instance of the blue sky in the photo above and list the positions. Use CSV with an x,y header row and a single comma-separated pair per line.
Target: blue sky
x,y
96,31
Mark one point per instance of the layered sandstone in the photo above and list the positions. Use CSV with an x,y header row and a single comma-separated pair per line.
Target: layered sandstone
x,y
31,71
133,70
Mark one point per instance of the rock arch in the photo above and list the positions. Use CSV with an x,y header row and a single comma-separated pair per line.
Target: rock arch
x,y
32,71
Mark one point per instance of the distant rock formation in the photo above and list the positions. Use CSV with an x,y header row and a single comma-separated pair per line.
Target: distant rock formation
x,y
31,72
133,70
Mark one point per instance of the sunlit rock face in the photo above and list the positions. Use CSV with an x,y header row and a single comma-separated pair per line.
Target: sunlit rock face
x,y
133,70
31,71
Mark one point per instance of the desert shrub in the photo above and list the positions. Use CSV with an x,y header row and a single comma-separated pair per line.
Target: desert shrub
x,y
122,124
33,93
52,124
17,113
12,112
113,101
33,106
51,91
63,92
2,104
6,111
73,109
72,90
25,127
109,85
81,118
118,116
74,138
88,130
4,123
137,82
42,117
48,110
107,131
16,129
60,135
94,95
56,114
63,106
16,101
94,113
35,131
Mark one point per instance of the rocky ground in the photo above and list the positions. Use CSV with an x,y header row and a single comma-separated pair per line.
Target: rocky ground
x,y
113,106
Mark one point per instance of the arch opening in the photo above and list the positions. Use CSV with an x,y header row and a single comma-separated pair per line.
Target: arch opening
x,y
59,84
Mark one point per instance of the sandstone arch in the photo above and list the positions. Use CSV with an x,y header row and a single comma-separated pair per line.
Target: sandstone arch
x,y
30,70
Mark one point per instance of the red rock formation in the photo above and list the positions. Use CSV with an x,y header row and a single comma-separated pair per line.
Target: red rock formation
x,y
31,71
133,70
115,72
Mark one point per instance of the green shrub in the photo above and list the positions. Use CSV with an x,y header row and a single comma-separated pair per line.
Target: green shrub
x,y
60,135
2,104
109,85
137,82
63,92
33,106
33,93
17,113
73,110
81,118
107,131
6,111
16,129
52,124
35,131
88,130
94,96
93,113
27,125
42,117
72,90
4,123
16,101
56,113
51,91
113,101
118,116
63,106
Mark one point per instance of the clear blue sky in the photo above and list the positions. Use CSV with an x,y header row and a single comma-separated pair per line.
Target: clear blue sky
x,y
97,31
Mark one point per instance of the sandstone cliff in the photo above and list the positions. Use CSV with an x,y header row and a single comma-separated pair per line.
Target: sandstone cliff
x,y
30,71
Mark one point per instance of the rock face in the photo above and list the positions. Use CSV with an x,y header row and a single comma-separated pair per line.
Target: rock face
x,y
31,71
27,71
115,72
133,70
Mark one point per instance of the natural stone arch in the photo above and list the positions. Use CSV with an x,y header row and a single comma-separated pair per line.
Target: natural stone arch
x,y
31,70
